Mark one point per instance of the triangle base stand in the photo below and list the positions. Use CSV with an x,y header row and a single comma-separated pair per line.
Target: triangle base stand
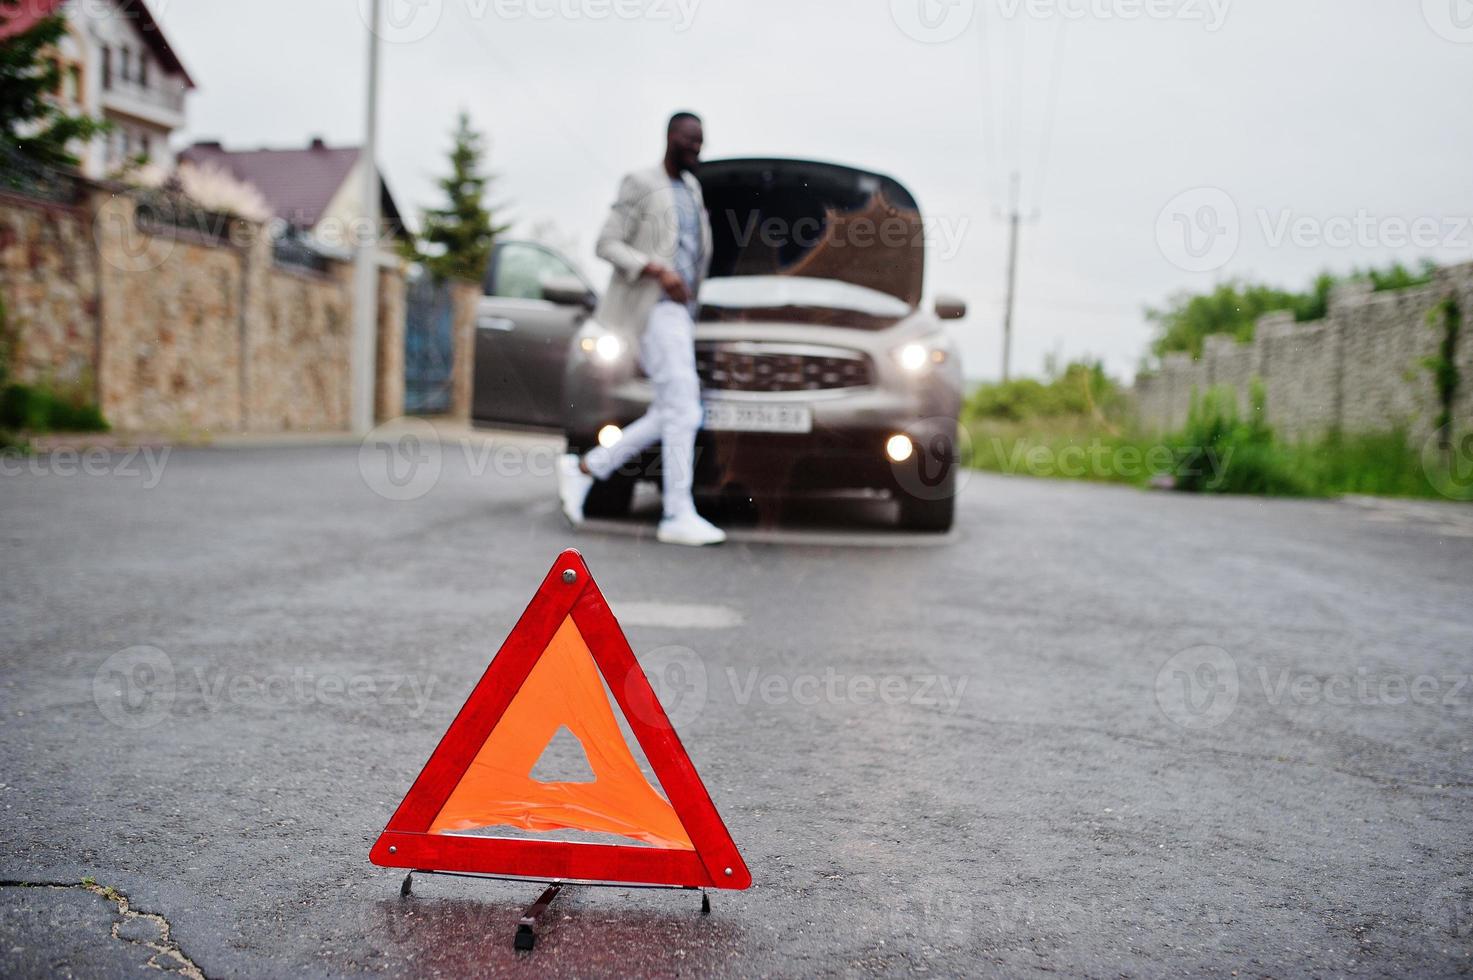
x,y
524,940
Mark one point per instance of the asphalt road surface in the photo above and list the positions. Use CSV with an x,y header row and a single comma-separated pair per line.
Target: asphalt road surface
x,y
1094,732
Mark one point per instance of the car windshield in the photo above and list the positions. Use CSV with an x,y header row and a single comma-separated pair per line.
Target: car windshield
x,y
768,292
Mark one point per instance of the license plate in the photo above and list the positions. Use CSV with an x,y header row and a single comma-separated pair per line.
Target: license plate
x,y
739,417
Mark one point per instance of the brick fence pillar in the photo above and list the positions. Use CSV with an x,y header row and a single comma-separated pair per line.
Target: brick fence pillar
x,y
389,382
463,299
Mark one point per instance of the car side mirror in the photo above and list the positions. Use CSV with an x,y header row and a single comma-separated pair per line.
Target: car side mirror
x,y
567,291
950,308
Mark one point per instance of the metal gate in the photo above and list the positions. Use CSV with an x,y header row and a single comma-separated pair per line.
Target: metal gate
x,y
428,346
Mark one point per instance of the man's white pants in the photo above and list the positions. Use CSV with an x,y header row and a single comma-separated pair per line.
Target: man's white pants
x,y
667,352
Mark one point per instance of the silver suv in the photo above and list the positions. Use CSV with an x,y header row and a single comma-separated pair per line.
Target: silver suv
x,y
820,371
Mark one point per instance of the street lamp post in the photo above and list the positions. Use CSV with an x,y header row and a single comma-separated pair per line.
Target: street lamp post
x,y
364,349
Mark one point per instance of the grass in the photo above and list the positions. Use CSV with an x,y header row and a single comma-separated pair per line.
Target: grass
x,y
1084,432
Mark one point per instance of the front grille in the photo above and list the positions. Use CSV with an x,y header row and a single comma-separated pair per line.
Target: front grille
x,y
779,367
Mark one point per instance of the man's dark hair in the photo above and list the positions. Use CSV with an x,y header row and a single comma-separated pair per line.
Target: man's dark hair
x,y
670,126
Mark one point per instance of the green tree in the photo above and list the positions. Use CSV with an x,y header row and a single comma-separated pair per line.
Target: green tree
x,y
456,240
32,123
1233,308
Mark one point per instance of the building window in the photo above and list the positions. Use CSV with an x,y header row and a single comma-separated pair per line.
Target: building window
x,y
107,68
127,68
146,146
143,70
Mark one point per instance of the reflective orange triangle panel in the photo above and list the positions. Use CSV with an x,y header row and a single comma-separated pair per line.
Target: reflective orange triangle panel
x,y
563,689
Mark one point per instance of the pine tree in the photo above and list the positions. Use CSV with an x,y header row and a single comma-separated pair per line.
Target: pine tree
x,y
31,123
456,240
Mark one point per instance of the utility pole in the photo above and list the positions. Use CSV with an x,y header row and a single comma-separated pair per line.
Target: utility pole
x,y
1015,219
364,350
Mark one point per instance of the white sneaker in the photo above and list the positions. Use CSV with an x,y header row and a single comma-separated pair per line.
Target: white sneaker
x,y
689,528
572,487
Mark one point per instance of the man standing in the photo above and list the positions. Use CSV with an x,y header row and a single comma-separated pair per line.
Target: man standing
x,y
658,239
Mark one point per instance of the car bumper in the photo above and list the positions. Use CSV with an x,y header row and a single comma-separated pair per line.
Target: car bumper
x,y
846,449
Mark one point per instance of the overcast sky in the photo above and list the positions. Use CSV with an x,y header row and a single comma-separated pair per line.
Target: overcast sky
x,y
1185,141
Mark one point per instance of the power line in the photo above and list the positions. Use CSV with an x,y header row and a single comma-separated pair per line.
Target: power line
x,y
534,95
989,133
1051,109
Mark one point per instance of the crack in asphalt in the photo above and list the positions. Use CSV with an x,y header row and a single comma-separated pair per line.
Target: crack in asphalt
x,y
164,946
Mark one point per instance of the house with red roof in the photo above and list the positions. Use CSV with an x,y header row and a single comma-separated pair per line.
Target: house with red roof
x,y
317,190
116,64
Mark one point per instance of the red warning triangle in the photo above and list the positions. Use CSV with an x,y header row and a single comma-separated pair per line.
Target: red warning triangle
x,y
546,678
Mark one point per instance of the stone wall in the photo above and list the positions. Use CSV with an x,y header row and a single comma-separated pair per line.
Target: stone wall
x,y
463,297
169,321
180,332
48,268
299,354
1361,369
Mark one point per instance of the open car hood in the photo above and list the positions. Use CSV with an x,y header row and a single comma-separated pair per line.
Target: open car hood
x,y
774,217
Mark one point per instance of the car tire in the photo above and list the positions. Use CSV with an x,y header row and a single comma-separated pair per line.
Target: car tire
x,y
609,498
935,516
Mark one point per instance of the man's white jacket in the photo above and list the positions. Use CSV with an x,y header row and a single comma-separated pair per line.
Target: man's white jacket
x,y
644,226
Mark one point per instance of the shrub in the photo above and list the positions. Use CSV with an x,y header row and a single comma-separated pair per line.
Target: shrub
x,y
34,408
1219,452
1081,389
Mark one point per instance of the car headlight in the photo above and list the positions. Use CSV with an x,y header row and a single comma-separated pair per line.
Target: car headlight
x,y
602,344
922,354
